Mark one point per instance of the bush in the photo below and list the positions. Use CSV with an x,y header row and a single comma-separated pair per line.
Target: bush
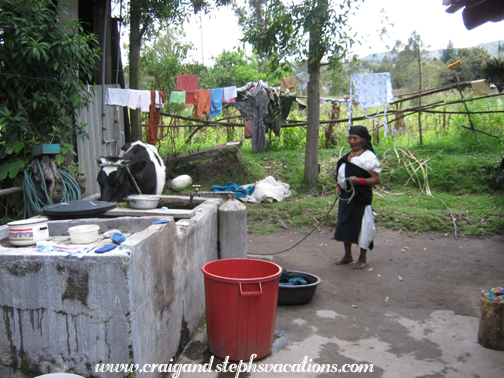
x,y
42,63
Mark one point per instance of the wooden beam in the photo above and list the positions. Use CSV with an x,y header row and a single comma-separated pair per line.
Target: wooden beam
x,y
16,189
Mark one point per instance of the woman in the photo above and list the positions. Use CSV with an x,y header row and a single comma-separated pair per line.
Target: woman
x,y
355,215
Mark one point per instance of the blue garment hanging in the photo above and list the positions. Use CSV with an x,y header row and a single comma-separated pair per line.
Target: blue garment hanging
x,y
373,89
215,102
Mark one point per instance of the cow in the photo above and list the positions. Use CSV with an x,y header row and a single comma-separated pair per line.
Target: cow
x,y
145,165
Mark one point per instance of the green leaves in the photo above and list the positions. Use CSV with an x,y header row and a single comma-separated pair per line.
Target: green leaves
x,y
306,30
41,60
11,168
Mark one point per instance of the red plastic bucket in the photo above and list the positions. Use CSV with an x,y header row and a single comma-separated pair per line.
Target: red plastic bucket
x,y
241,302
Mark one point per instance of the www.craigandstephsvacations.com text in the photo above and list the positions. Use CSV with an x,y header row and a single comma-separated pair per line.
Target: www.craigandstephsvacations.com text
x,y
306,366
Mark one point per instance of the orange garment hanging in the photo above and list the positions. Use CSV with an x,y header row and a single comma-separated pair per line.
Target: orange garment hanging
x,y
154,116
202,102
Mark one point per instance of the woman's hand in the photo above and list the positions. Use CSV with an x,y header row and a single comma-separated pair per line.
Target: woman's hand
x,y
338,190
373,180
355,180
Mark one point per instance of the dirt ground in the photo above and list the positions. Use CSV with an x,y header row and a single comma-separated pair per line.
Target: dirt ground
x,y
413,312
430,271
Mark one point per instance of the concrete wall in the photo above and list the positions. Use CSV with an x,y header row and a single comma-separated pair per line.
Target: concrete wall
x,y
64,314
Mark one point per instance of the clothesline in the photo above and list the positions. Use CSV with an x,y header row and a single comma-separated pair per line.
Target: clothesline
x,y
261,107
258,101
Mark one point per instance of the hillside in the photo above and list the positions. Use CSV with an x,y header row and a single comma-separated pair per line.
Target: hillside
x,y
491,47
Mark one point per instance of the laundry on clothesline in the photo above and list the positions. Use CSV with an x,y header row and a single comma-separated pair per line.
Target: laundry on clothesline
x,y
303,78
133,98
262,108
216,96
139,99
372,90
229,94
323,100
158,99
157,102
288,83
480,87
117,96
252,103
188,84
201,102
177,97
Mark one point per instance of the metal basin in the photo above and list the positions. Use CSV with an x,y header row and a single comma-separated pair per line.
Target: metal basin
x,y
143,201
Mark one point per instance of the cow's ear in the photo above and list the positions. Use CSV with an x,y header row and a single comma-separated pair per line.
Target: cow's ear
x,y
99,161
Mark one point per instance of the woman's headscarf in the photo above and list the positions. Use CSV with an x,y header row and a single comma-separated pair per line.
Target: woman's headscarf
x,y
363,133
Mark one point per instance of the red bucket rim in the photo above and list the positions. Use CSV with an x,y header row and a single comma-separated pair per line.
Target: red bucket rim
x,y
244,280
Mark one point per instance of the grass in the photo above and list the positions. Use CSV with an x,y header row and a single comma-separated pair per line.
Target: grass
x,y
462,186
414,211
447,184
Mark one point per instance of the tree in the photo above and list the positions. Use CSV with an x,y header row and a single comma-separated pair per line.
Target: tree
x,y
145,17
309,30
416,45
405,56
142,16
434,74
494,72
161,62
168,57
44,63
447,55
340,81
473,62
234,68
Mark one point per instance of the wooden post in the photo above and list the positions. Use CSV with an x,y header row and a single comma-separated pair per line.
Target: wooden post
x,y
419,93
491,326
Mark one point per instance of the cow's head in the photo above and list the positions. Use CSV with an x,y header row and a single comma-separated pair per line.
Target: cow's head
x,y
114,180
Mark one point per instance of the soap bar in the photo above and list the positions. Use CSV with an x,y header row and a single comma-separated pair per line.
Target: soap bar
x,y
108,247
118,238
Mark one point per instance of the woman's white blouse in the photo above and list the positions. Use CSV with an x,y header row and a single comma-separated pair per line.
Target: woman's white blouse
x,y
367,161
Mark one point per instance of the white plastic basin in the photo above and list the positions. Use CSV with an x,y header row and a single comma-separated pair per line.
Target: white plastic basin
x,y
83,234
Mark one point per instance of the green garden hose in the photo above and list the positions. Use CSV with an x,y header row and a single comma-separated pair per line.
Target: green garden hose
x,y
351,190
33,204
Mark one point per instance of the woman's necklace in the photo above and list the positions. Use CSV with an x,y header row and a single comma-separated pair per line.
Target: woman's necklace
x,y
355,154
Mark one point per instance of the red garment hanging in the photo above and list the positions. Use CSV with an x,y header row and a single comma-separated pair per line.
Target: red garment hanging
x,y
188,84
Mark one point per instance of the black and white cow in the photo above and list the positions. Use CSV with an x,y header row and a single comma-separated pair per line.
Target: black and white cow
x,y
145,165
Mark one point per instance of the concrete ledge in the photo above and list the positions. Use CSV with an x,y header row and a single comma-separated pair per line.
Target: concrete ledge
x,y
141,306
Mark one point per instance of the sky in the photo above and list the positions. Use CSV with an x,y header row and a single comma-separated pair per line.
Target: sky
x,y
219,30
